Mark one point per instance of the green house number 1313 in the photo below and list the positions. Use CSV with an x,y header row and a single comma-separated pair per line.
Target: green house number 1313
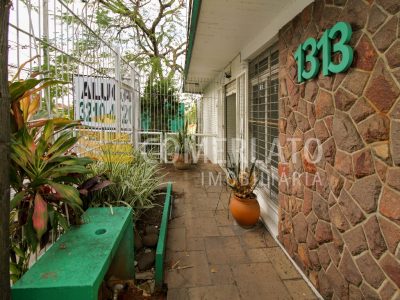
x,y
307,53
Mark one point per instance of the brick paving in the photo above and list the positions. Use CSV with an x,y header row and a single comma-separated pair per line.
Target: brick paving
x,y
210,257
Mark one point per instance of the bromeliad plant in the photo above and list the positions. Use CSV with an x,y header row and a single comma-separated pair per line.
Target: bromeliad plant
x,y
182,145
182,142
44,172
242,182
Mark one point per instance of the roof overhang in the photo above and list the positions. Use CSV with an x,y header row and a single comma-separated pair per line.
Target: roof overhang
x,y
220,30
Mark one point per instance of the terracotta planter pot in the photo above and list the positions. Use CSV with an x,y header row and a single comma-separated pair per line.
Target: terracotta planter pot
x,y
245,211
182,161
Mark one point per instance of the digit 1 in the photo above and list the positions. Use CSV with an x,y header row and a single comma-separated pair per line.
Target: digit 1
x,y
299,57
325,44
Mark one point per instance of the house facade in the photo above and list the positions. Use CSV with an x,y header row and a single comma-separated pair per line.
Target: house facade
x,y
310,90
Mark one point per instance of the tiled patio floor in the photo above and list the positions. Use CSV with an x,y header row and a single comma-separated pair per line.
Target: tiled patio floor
x,y
210,257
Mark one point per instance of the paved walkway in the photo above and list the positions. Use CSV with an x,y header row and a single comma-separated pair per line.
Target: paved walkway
x,y
210,257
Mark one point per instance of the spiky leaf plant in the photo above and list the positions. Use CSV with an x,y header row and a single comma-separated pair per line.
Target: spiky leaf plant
x,y
242,182
134,177
44,172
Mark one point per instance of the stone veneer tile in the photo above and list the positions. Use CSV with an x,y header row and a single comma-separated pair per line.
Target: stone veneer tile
x,y
349,270
391,267
348,232
345,133
369,293
381,90
376,18
350,209
366,54
370,270
391,233
385,36
387,291
361,110
395,142
366,192
391,6
375,240
363,163
355,240
390,205
339,284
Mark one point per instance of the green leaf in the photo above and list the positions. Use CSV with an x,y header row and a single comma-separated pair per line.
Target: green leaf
x,y
14,269
54,170
27,140
65,142
19,154
17,200
18,88
48,131
14,278
83,161
57,172
30,233
52,217
19,252
62,221
69,193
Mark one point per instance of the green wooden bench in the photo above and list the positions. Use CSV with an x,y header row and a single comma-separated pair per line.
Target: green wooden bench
x,y
75,266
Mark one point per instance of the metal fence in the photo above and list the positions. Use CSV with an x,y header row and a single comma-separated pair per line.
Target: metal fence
x,y
155,144
166,106
102,88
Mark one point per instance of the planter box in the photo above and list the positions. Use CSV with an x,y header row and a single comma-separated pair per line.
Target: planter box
x,y
162,239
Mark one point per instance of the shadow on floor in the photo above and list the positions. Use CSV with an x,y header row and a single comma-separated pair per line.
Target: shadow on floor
x,y
210,257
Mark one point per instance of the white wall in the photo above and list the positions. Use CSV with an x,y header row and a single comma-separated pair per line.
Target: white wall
x,y
214,102
211,119
214,107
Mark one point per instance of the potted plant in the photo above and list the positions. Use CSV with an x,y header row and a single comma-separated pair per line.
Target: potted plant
x,y
181,144
243,203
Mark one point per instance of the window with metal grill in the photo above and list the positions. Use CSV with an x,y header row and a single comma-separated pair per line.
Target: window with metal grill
x,y
263,119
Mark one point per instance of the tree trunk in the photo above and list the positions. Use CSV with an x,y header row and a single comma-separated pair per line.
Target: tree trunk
x,y
4,154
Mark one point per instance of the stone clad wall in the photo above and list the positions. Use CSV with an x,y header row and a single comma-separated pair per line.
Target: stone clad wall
x,y
340,219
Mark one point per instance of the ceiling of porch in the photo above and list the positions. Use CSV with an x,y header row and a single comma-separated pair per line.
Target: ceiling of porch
x,y
224,28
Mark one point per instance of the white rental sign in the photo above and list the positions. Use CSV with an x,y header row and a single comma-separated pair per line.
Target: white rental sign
x,y
97,103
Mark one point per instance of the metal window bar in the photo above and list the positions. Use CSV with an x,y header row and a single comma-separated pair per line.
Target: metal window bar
x,y
263,118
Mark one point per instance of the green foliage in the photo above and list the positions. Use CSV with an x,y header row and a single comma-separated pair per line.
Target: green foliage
x,y
43,172
191,115
44,176
135,180
160,103
182,142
